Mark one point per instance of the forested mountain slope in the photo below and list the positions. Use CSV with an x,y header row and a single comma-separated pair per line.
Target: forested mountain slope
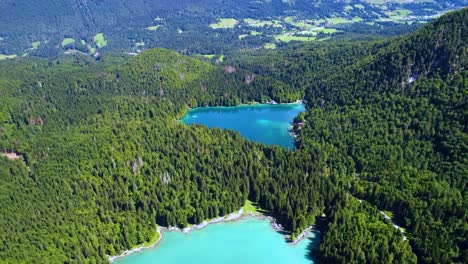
x,y
47,28
103,159
401,117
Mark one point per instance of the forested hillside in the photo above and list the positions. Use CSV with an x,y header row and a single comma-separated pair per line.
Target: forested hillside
x,y
210,27
103,159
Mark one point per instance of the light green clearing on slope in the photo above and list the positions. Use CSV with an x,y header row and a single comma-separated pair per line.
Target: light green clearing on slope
x,y
36,44
100,40
261,23
287,37
269,46
153,28
224,23
67,41
4,57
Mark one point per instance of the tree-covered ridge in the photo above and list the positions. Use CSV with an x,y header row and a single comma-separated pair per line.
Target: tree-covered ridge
x,y
400,116
105,159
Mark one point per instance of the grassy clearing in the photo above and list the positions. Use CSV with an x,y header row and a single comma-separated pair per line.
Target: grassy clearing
x,y
36,44
153,28
225,23
242,36
269,46
288,37
4,57
139,44
208,56
398,14
67,41
255,33
83,42
341,20
258,23
100,40
250,208
326,30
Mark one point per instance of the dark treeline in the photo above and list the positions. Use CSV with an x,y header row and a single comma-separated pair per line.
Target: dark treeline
x,y
104,159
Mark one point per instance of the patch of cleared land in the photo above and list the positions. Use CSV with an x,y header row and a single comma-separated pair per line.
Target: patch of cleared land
x,y
225,23
153,28
4,57
208,56
398,14
269,46
287,37
242,36
340,20
259,23
326,30
36,44
100,40
255,33
11,155
67,41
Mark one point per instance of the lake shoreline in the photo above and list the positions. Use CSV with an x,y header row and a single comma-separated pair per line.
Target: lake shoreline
x,y
253,103
232,217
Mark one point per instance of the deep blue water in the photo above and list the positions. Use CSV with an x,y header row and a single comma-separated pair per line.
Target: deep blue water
x,y
264,123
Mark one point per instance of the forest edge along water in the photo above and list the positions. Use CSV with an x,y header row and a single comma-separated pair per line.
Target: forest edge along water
x,y
246,220
271,124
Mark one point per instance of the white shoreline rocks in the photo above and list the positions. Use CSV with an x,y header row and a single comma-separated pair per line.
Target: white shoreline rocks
x,y
302,235
229,218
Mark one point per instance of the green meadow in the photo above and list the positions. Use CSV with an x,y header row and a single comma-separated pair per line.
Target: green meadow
x,y
100,40
67,41
224,23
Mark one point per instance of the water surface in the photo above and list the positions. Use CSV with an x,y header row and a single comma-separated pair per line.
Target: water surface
x,y
264,123
250,240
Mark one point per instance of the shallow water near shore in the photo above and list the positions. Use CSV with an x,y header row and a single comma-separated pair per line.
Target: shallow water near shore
x,y
250,240
264,123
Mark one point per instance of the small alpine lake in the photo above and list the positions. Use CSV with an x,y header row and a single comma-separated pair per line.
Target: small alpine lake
x,y
250,240
264,123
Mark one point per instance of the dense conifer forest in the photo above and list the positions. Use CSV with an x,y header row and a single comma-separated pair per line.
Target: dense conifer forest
x,y
98,157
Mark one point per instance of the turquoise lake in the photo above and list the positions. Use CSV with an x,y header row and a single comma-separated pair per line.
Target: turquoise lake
x,y
264,123
251,240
